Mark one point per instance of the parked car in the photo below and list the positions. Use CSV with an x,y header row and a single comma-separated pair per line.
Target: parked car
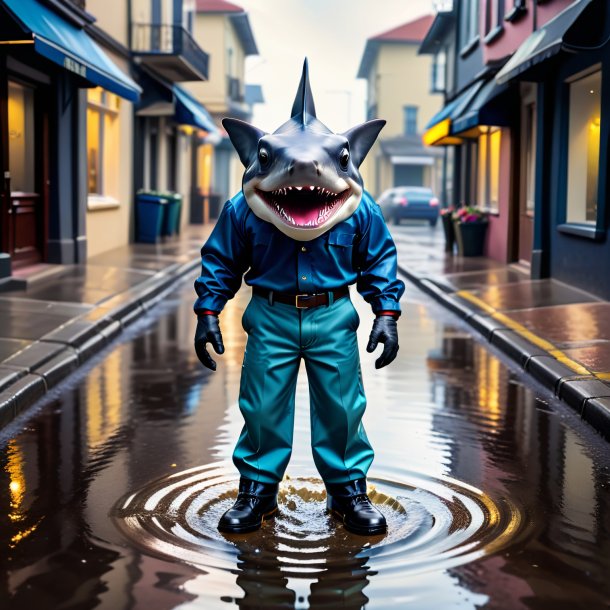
x,y
409,202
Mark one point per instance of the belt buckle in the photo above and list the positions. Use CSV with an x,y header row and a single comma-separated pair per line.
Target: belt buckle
x,y
296,300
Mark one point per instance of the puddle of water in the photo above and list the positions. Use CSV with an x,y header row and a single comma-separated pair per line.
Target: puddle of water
x,y
110,495
432,525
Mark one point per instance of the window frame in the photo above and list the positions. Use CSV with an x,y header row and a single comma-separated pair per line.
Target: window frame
x,y
485,200
439,72
593,230
102,200
410,120
494,24
469,27
518,11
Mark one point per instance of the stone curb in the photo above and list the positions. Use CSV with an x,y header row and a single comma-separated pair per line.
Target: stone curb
x,y
586,394
29,374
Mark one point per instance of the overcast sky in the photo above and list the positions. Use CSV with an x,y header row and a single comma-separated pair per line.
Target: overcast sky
x,y
332,35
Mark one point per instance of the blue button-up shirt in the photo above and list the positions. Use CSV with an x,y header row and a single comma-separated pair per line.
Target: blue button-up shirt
x,y
358,250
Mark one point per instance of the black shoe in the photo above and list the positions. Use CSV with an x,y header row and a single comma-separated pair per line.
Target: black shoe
x,y
349,502
255,503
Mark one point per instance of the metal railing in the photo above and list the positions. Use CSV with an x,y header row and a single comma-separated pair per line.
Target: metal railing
x,y
168,39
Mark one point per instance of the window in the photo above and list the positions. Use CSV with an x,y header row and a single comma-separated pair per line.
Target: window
x,y
102,143
439,64
410,120
469,25
519,8
494,14
583,148
21,137
488,179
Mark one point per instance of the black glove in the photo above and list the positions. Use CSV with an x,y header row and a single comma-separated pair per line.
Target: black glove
x,y
208,331
384,331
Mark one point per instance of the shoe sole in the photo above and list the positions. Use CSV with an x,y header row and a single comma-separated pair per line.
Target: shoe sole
x,y
361,531
249,528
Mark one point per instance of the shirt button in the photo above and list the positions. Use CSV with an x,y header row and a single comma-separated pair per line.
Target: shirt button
x,y
303,249
303,277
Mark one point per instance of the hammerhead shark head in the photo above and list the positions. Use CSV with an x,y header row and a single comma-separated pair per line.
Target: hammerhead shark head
x,y
302,178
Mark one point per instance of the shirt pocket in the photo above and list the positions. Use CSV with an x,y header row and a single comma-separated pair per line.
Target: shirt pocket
x,y
261,246
340,246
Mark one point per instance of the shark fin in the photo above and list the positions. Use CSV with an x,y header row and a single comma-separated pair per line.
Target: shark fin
x,y
303,108
362,137
244,137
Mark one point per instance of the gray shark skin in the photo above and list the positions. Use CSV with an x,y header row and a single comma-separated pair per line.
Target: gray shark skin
x,y
302,178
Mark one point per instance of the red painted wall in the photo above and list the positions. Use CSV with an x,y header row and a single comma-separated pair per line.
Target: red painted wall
x,y
515,33
497,231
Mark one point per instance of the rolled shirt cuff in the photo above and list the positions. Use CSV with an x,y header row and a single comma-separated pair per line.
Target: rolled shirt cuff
x,y
380,305
209,303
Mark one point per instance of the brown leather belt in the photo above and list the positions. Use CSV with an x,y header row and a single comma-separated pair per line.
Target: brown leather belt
x,y
300,301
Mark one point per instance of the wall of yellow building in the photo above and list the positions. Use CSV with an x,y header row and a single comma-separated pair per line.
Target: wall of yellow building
x,y
113,18
403,78
209,30
399,77
237,69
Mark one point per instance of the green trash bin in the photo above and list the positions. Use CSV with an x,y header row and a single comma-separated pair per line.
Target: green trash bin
x,y
150,214
171,221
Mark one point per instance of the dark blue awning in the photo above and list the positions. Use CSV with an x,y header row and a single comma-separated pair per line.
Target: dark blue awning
x,y
70,47
188,111
543,43
440,126
454,108
482,110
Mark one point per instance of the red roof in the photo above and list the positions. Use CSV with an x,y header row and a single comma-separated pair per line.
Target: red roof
x,y
217,6
412,31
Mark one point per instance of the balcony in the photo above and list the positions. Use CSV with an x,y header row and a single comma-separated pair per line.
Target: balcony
x,y
170,51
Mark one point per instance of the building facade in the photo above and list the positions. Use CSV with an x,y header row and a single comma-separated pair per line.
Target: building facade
x,y
227,28
398,91
170,125
50,57
490,125
564,62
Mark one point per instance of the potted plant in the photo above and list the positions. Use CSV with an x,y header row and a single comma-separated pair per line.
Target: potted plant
x,y
470,224
447,220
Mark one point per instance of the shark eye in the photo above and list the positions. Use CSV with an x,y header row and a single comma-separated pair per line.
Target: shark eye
x,y
344,158
263,157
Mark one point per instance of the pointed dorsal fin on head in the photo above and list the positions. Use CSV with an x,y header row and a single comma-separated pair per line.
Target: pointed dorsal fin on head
x,y
303,108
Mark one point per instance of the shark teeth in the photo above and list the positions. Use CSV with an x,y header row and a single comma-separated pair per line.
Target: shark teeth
x,y
317,190
316,203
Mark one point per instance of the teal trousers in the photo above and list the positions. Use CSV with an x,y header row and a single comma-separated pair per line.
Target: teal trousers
x,y
279,336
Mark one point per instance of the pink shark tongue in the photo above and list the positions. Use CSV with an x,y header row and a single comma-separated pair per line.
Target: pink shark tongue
x,y
304,206
304,216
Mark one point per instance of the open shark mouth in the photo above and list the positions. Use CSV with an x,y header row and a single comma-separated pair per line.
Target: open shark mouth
x,y
304,206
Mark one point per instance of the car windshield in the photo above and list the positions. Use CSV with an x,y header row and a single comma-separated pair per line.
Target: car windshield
x,y
413,191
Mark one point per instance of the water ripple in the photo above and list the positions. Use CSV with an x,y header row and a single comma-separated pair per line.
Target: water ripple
x,y
433,523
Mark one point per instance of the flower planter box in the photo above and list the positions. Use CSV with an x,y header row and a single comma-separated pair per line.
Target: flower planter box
x,y
470,237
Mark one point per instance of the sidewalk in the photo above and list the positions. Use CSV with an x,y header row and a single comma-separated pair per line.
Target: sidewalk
x,y
558,334
71,312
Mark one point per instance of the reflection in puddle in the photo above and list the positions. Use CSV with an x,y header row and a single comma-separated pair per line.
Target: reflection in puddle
x,y
433,524
495,496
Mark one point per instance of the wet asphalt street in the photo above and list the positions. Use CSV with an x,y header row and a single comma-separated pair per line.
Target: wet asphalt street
x,y
110,491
